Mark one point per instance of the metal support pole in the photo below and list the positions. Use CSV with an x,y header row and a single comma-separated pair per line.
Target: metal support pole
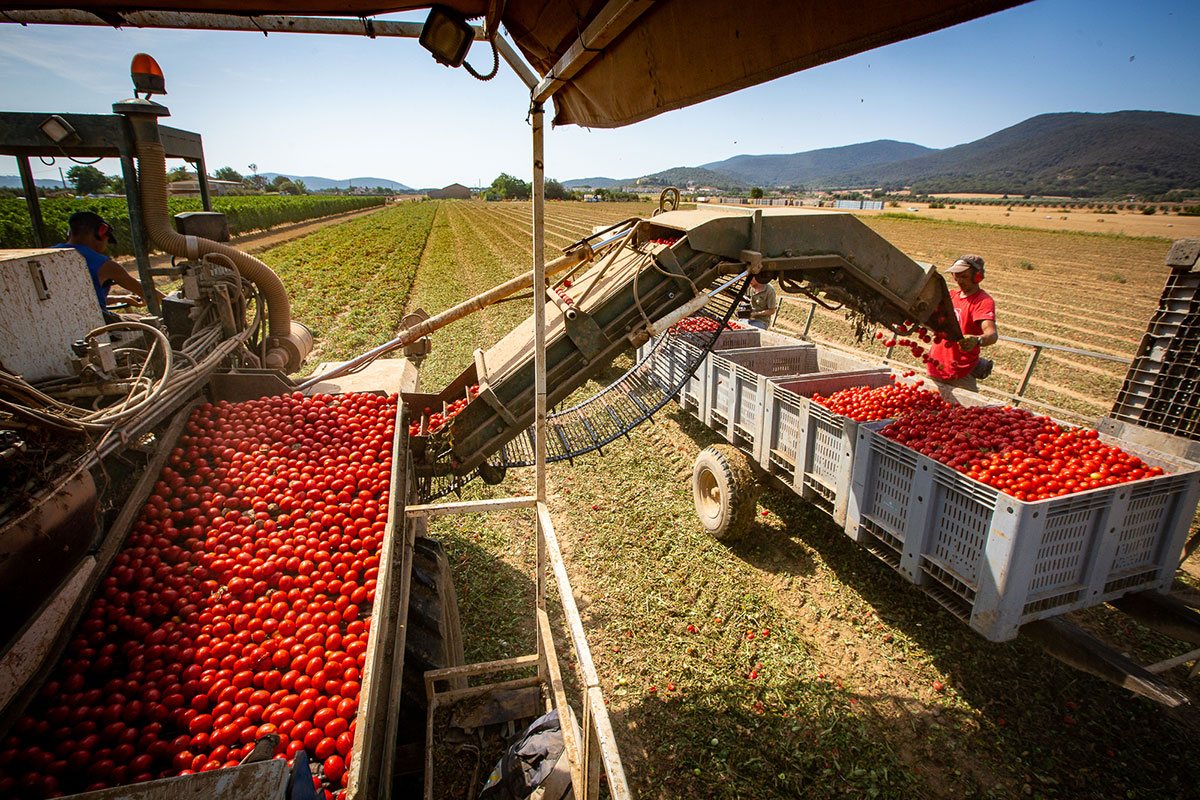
x,y
31,202
137,229
1033,358
202,178
539,350
812,312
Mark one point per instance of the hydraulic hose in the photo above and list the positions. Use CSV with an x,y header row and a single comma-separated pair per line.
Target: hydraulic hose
x,y
152,177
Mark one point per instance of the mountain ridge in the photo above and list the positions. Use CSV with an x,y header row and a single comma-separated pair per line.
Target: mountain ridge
x,y
1070,153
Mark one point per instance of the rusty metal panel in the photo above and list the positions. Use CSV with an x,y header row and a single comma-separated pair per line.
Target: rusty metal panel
x,y
266,780
42,545
31,650
248,384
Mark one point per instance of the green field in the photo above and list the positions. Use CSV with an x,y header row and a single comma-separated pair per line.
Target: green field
x,y
244,214
854,683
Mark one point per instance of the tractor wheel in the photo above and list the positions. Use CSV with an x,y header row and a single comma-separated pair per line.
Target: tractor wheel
x,y
725,490
433,639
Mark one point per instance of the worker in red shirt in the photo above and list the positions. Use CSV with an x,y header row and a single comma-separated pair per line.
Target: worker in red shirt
x,y
958,363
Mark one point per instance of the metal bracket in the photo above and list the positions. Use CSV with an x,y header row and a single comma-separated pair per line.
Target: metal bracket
x,y
667,259
585,333
39,280
488,396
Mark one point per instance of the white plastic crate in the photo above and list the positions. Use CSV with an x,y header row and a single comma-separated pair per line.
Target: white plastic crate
x,y
735,385
997,562
753,337
808,445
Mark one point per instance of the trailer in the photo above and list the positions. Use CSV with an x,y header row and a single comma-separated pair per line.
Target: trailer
x,y
1003,566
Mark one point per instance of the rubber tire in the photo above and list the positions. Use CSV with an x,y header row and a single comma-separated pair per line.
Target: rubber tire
x,y
725,490
434,636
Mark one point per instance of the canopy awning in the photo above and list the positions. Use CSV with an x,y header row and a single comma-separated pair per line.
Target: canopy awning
x,y
610,63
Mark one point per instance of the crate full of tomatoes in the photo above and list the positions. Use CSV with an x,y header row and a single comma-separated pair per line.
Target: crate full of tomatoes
x,y
810,426
239,607
1008,517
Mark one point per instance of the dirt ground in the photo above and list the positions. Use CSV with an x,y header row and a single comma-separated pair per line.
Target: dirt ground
x,y
1129,223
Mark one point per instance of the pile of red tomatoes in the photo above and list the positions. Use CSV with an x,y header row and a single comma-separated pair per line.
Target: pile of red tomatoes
x,y
237,608
866,404
561,291
914,346
1027,456
703,325
434,420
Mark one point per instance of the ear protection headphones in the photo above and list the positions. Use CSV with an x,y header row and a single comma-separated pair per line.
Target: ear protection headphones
x,y
976,268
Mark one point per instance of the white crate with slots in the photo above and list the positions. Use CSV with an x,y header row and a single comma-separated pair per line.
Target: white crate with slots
x,y
806,444
997,562
735,383
752,337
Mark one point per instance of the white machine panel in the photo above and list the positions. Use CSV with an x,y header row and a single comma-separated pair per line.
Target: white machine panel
x,y
47,301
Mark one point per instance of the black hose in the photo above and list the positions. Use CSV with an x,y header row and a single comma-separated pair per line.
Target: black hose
x,y
495,65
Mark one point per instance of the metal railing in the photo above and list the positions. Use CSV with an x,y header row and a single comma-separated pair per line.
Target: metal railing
x,y
1018,396
591,748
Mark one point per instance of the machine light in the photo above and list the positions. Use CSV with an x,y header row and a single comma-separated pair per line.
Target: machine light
x,y
447,35
59,131
147,75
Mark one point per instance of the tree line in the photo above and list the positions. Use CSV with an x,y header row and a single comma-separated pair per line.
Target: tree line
x,y
86,180
509,187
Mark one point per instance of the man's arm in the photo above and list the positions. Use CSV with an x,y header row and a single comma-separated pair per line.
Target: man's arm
x,y
772,303
112,271
990,336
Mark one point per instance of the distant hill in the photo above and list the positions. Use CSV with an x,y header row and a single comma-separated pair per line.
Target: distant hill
x,y
591,183
14,182
1075,154
687,176
1067,154
315,183
801,169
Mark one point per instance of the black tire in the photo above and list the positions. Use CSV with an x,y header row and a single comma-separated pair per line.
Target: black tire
x,y
434,637
725,490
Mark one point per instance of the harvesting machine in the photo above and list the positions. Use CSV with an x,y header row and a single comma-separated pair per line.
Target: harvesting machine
x,y
94,409
91,412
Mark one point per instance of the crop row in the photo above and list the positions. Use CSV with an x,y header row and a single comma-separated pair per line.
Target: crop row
x,y
350,282
244,214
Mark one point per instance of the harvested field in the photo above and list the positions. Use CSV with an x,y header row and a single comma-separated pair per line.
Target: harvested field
x,y
1075,290
809,669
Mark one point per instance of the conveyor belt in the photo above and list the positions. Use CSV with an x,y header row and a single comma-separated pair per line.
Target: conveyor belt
x,y
619,408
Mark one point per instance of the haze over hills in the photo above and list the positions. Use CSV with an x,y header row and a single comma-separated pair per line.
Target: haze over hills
x,y
590,183
1089,155
14,182
317,183
1071,153
799,169
312,182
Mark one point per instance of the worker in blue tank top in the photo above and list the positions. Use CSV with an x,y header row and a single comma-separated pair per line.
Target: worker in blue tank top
x,y
89,235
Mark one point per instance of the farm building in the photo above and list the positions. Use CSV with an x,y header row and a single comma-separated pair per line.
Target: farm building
x,y
455,191
191,188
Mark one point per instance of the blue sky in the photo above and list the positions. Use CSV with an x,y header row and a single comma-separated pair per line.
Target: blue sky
x,y
342,107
